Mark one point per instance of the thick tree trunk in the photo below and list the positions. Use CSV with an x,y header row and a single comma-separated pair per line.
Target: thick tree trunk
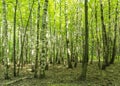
x,y
43,40
37,42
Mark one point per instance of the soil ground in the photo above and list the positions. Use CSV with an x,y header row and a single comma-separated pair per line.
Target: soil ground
x,y
59,75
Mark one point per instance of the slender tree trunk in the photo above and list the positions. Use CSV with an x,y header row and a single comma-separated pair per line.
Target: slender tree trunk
x,y
98,42
23,39
86,50
31,36
92,40
67,39
26,49
14,39
51,42
24,36
1,50
54,46
20,39
109,32
76,51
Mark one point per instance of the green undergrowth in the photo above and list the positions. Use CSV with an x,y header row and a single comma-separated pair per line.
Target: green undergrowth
x,y
59,75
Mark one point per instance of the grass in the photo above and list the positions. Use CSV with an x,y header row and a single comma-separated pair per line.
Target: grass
x,y
59,75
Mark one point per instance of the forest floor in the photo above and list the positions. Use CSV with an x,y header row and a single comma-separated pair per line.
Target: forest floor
x,y
59,75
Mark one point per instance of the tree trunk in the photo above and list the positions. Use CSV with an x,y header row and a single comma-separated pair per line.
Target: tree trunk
x,y
43,40
115,36
67,39
104,37
54,46
5,40
14,39
37,42
92,40
86,50
23,40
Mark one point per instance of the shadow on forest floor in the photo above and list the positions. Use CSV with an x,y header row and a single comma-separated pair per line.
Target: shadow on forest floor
x,y
59,75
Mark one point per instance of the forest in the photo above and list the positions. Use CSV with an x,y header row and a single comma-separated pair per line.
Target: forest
x,y
59,43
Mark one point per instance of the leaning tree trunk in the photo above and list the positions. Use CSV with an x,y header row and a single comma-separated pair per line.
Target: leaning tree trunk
x,y
115,36
86,50
104,37
23,38
43,40
5,39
